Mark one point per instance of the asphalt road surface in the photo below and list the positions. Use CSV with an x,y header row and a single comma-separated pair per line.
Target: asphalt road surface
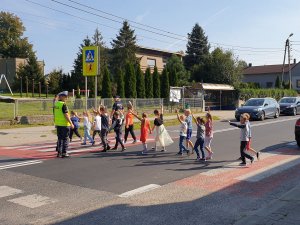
x,y
91,186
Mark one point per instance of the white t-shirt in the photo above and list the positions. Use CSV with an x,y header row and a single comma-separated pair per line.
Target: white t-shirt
x,y
183,129
86,122
97,123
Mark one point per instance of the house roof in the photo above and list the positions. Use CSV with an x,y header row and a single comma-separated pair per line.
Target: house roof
x,y
266,69
160,50
209,86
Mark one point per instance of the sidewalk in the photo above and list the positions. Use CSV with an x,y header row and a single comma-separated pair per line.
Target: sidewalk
x,y
30,135
282,211
26,135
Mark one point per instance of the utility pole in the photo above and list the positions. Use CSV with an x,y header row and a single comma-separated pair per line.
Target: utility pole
x,y
283,65
289,58
287,48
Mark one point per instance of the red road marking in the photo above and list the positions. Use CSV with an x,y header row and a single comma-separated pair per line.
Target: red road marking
x,y
226,180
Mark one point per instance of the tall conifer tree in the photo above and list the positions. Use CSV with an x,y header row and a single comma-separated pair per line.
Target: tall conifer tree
x,y
148,84
156,83
140,82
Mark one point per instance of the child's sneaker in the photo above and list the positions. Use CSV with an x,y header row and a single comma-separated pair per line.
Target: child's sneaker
x,y
84,143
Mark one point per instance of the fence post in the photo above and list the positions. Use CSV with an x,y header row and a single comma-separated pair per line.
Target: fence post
x,y
15,109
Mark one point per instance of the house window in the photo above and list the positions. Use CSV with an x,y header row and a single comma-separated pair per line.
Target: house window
x,y
151,62
298,83
269,84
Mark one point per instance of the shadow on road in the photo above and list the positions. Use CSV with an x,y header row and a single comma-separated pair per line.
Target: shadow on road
x,y
217,202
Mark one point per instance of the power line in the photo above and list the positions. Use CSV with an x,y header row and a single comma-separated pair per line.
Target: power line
x,y
131,21
186,38
219,44
113,20
88,20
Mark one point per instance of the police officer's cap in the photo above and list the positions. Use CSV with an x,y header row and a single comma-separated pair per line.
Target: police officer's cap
x,y
63,93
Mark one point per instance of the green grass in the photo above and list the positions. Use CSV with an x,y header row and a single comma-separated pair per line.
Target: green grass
x,y
26,125
18,95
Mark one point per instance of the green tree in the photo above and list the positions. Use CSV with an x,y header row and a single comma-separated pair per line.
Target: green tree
x,y
221,67
32,70
120,83
97,40
55,81
123,47
140,82
277,82
173,78
77,73
165,86
156,83
176,67
106,84
66,82
148,83
130,81
197,47
12,42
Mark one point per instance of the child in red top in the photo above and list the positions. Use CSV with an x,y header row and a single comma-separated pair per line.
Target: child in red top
x,y
129,124
145,130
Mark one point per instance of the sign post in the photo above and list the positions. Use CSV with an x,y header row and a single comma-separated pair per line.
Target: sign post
x,y
90,67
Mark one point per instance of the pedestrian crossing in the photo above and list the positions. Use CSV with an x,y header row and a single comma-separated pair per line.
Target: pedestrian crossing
x,y
261,175
42,151
30,201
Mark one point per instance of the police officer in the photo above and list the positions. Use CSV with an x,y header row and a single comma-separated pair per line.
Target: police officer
x,y
63,123
117,106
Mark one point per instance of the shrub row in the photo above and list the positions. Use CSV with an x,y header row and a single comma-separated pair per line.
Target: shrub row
x,y
277,94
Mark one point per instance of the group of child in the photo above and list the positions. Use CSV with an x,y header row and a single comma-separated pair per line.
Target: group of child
x,y
203,138
102,125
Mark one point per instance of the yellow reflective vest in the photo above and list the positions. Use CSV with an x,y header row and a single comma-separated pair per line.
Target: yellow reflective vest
x,y
59,117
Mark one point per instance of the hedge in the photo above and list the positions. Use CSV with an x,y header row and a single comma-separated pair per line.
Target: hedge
x,y
277,94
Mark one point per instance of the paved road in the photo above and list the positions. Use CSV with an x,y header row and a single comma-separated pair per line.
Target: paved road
x,y
91,181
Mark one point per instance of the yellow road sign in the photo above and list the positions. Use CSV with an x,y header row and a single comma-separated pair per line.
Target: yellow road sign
x,y
90,61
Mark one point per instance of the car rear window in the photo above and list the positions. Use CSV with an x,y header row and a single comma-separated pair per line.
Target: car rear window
x,y
287,100
254,102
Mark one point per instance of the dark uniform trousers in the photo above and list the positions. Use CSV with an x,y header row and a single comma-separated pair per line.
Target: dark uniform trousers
x,y
63,139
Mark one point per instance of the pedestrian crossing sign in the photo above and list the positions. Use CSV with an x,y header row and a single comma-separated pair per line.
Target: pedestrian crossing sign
x,y
90,61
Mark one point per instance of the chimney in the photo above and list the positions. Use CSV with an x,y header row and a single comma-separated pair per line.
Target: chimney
x,y
295,61
250,65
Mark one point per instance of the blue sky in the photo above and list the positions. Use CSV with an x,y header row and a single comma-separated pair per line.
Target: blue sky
x,y
254,30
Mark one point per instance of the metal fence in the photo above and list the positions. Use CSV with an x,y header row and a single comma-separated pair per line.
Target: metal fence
x,y
32,107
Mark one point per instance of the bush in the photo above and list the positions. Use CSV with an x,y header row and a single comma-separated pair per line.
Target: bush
x,y
277,94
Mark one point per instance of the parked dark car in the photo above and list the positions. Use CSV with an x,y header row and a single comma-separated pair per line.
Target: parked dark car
x,y
297,132
259,108
289,105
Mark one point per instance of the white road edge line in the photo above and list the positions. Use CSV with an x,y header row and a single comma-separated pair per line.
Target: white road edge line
x,y
20,164
139,190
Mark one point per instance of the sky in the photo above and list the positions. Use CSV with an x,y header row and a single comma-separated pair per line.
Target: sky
x,y
254,30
